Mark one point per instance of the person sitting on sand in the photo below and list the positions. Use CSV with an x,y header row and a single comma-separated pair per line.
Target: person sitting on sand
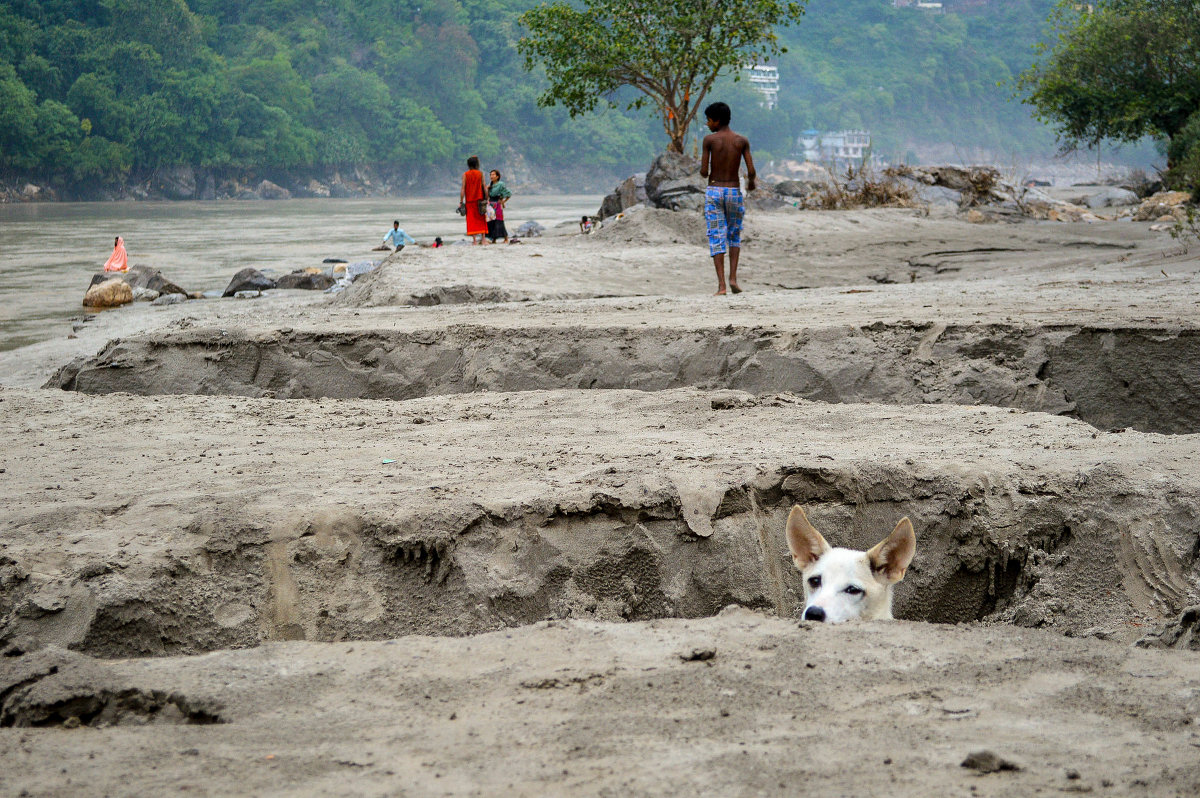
x,y
397,238
437,242
723,203
585,225
118,261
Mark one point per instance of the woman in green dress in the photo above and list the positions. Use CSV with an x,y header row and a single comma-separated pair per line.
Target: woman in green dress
x,y
498,195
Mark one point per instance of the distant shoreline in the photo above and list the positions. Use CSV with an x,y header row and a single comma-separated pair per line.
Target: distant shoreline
x,y
189,183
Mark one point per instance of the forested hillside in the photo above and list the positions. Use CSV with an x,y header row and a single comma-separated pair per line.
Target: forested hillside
x,y
100,86
912,76
91,89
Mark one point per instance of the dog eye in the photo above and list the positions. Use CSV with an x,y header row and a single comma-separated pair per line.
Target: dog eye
x,y
814,582
854,590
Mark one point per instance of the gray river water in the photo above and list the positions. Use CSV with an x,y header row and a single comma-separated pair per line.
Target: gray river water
x,y
49,251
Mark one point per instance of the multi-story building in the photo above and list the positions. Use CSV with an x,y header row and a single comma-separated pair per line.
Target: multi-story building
x,y
841,147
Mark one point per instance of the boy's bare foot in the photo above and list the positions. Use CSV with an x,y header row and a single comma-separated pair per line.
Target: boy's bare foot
x,y
720,292
734,288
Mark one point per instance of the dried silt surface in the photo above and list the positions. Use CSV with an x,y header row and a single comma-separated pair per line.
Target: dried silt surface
x,y
476,525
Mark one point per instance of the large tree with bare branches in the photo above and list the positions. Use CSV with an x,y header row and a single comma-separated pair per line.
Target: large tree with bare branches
x,y
670,51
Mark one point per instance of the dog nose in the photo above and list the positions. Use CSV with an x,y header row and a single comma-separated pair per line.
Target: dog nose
x,y
814,614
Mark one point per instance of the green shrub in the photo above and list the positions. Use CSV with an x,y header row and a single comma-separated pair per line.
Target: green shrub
x,y
1184,156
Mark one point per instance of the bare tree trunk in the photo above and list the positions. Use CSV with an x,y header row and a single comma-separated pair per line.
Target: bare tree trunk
x,y
676,125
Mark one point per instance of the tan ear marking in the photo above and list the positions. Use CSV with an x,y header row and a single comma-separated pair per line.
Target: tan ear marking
x,y
891,556
805,542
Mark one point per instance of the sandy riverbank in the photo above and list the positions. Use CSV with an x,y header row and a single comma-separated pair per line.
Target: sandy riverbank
x,y
473,441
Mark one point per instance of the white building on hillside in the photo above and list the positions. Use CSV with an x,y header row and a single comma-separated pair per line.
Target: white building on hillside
x,y
765,79
841,147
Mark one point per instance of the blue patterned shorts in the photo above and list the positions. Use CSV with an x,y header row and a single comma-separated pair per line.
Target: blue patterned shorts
x,y
723,211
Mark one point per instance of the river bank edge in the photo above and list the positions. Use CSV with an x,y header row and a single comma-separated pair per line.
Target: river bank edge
x,y
190,183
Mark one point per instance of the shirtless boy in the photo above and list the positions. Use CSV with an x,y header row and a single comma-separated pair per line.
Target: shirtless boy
x,y
723,205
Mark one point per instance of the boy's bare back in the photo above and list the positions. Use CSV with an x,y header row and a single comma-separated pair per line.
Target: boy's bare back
x,y
724,151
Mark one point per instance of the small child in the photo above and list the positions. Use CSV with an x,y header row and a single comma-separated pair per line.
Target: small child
x,y
585,225
724,206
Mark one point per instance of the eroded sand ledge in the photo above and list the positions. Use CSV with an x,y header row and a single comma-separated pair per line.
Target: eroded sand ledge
x,y
279,520
208,511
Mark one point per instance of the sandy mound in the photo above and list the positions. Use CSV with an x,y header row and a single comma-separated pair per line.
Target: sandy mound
x,y
652,226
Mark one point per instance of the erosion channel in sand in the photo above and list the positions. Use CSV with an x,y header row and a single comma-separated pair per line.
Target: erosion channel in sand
x,y
560,452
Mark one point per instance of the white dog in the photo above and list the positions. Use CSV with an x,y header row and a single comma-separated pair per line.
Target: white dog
x,y
842,584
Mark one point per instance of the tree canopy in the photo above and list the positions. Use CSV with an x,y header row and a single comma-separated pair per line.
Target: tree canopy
x,y
94,89
669,51
1119,70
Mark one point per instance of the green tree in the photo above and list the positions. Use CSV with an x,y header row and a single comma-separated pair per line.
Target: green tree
x,y
1120,70
18,112
670,51
59,133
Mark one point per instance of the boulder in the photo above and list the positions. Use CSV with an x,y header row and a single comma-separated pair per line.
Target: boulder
x,y
141,277
1164,203
305,280
270,191
678,174
763,198
669,189
610,205
144,295
935,195
151,279
248,279
108,294
793,188
175,182
683,202
169,299
1110,197
631,192
974,184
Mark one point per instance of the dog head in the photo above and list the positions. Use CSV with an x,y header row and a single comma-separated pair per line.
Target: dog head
x,y
841,584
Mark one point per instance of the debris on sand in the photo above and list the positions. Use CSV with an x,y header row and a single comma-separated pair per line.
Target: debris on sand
x,y
977,193
988,762
1182,633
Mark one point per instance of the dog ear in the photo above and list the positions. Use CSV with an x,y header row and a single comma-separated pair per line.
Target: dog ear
x,y
805,543
891,556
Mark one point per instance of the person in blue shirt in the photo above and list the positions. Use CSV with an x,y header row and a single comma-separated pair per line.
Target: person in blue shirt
x,y
397,238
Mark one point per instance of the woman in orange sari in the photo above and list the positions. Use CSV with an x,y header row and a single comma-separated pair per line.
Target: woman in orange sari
x,y
118,261
473,197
